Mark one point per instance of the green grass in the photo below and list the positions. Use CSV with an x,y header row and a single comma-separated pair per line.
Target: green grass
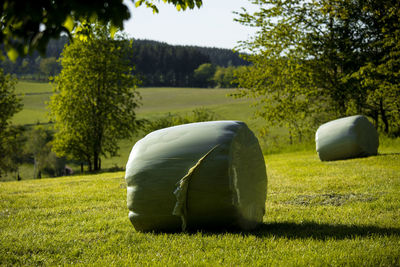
x,y
34,98
160,100
23,87
155,103
317,213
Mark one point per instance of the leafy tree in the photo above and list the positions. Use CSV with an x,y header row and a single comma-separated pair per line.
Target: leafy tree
x,y
95,98
38,145
308,56
11,146
29,25
9,102
24,66
284,97
226,77
204,75
379,75
49,66
9,105
170,119
54,166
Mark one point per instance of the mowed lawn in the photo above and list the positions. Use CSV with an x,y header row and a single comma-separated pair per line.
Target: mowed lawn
x,y
317,213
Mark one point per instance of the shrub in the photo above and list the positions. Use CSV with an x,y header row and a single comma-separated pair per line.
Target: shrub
x,y
171,119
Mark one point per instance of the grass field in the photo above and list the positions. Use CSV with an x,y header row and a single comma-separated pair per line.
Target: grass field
x,y
34,98
155,103
317,213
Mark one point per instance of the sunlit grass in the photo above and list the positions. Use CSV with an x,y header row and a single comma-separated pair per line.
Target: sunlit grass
x,y
156,102
317,213
23,87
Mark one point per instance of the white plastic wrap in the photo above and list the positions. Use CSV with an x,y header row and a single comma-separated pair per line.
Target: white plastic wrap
x,y
345,138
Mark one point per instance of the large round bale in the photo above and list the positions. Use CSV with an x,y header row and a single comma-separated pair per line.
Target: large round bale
x,y
197,176
345,138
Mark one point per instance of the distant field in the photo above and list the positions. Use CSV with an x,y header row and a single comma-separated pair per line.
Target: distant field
x,y
343,213
155,102
33,87
34,97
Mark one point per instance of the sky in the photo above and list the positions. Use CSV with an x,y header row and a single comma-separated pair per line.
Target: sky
x,y
212,25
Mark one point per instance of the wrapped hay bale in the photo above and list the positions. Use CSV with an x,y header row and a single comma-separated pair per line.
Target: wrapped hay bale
x,y
196,176
345,138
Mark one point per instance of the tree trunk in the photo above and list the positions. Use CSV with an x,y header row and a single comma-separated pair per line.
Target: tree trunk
x,y
383,116
375,117
34,168
290,137
17,175
81,167
90,165
96,161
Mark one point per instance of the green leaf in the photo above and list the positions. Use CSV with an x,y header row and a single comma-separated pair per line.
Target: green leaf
x,y
138,3
113,30
12,54
69,23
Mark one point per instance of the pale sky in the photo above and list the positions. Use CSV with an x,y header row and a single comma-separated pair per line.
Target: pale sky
x,y
212,25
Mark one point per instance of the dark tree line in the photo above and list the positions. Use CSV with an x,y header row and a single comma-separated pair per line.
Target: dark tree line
x,y
160,64
222,57
156,63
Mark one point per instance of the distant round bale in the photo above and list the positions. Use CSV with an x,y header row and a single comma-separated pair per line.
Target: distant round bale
x,y
207,175
348,137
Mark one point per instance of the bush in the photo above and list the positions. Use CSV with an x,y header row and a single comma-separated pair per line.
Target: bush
x,y
171,119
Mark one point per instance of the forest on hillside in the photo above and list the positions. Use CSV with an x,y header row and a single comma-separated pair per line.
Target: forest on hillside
x,y
154,63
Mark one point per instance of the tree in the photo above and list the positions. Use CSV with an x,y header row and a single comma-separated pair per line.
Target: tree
x,y
95,98
204,74
49,66
9,105
29,25
9,102
379,76
226,77
38,145
11,146
285,98
306,56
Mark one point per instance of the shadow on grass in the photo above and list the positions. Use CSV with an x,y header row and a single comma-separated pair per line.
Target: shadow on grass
x,y
320,231
387,154
308,230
